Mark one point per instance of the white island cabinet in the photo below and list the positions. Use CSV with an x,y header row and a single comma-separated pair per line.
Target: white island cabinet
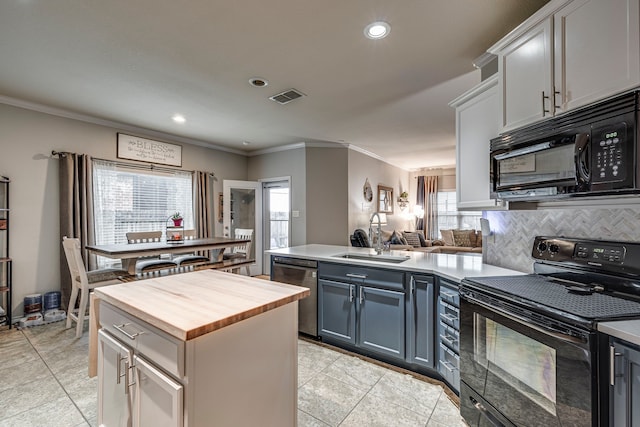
x,y
477,121
567,55
196,349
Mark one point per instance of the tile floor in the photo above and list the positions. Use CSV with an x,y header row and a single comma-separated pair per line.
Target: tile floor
x,y
43,382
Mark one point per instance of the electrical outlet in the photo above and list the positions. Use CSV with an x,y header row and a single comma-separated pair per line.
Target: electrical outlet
x,y
295,214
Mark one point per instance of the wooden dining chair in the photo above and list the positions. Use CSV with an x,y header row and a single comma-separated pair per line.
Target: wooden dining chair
x,y
240,251
83,281
149,264
193,258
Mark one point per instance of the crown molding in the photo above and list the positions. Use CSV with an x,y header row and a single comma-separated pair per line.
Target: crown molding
x,y
140,131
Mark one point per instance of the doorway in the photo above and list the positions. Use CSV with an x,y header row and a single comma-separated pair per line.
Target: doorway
x,y
242,209
276,196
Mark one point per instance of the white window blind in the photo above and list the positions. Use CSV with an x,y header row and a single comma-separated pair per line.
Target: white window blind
x,y
130,199
450,218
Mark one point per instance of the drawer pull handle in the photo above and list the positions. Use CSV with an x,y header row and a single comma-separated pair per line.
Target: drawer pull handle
x,y
357,276
127,334
449,317
448,366
449,339
448,294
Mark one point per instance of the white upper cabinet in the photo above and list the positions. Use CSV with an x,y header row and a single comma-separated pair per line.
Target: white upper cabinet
x,y
526,77
597,50
476,123
567,55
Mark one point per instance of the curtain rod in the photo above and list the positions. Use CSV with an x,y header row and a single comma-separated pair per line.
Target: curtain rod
x,y
150,166
59,153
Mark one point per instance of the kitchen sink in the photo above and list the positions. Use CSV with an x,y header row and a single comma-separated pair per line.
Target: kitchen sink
x,y
374,257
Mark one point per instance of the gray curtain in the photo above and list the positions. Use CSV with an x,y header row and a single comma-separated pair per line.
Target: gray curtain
x,y
431,207
427,197
420,202
203,212
76,212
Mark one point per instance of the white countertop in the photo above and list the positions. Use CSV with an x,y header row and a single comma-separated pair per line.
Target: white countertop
x,y
453,267
627,330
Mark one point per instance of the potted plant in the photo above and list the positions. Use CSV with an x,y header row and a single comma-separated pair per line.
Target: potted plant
x,y
403,200
177,219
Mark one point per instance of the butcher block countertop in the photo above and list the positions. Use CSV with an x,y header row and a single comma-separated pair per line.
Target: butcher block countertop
x,y
189,305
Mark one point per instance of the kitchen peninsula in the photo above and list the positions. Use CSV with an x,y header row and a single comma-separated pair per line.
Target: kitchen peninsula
x,y
198,348
451,266
399,307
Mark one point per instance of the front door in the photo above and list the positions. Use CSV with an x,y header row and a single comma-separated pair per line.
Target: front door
x,y
242,202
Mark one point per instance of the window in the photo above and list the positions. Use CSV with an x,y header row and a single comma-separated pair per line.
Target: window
x,y
129,199
450,218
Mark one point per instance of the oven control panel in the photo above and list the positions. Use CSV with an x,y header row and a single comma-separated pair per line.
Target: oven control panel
x,y
599,252
585,252
607,153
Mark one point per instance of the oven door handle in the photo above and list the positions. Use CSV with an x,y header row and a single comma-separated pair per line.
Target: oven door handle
x,y
525,322
483,411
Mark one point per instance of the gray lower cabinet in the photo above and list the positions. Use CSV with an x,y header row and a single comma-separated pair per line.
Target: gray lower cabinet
x,y
420,318
337,311
449,332
362,307
625,385
381,321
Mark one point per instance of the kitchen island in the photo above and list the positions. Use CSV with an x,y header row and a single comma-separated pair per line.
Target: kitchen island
x,y
201,348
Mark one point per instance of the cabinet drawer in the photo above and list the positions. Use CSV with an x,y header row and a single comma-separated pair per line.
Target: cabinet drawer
x,y
164,350
449,336
362,275
449,315
449,366
449,293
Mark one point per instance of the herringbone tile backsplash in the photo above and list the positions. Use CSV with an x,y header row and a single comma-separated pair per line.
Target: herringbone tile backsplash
x,y
514,231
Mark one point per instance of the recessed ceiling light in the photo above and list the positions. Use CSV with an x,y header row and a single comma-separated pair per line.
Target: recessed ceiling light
x,y
258,82
178,118
377,30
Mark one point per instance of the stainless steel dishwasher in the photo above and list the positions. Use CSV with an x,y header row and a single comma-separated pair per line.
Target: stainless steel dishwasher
x,y
300,272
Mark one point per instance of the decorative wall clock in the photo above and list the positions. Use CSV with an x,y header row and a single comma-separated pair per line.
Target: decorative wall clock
x,y
367,191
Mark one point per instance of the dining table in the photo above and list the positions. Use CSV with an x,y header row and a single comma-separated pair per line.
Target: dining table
x,y
129,253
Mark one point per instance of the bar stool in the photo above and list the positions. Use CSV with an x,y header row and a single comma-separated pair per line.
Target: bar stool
x,y
82,281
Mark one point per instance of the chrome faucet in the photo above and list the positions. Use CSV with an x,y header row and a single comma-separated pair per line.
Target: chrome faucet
x,y
378,245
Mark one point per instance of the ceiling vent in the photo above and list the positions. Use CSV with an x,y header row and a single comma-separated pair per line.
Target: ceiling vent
x,y
287,96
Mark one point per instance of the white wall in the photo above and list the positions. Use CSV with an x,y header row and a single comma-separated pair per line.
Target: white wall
x,y
363,167
26,141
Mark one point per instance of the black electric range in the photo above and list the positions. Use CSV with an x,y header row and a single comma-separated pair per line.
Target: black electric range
x,y
575,280
529,343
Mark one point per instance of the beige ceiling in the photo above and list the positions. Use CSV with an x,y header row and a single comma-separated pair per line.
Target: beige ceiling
x,y
138,62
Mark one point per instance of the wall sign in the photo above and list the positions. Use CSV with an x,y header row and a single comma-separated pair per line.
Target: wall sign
x,y
147,150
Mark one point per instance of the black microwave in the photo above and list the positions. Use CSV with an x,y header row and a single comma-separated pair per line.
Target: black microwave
x,y
588,152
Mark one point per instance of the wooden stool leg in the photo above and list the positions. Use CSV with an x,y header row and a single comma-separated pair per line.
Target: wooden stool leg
x,y
72,304
84,299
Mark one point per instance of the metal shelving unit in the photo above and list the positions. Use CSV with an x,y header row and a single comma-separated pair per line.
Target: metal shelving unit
x,y
5,260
